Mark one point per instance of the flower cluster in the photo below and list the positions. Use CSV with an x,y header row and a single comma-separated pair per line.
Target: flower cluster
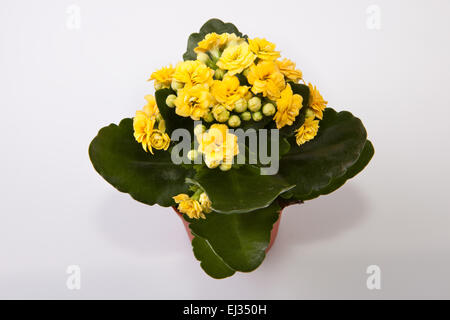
x,y
195,206
232,82
149,127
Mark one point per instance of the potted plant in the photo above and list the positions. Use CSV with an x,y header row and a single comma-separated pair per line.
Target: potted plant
x,y
232,135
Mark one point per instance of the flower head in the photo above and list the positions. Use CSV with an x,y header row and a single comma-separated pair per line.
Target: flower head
x,y
316,101
228,91
267,79
289,106
218,145
163,76
193,102
264,49
144,122
236,58
191,73
205,203
214,41
159,140
307,131
192,208
287,68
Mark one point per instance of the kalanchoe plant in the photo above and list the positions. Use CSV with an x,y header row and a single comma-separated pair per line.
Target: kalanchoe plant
x,y
229,81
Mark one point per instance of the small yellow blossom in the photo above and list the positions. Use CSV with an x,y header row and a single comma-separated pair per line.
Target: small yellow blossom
x,y
307,131
228,91
193,102
287,68
236,58
266,78
218,145
192,208
289,106
264,49
158,140
316,101
191,73
214,41
205,202
163,76
144,122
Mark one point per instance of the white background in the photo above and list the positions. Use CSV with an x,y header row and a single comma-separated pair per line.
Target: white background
x,y
59,86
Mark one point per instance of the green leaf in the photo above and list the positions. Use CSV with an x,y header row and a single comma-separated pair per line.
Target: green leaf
x,y
213,25
365,157
120,160
240,240
314,165
173,121
210,262
241,189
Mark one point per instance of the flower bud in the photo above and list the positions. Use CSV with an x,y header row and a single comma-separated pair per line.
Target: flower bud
x,y
162,125
234,121
219,74
212,163
208,117
309,113
158,85
257,116
246,116
246,72
202,57
221,114
170,100
269,109
192,155
225,166
199,129
177,85
254,104
240,105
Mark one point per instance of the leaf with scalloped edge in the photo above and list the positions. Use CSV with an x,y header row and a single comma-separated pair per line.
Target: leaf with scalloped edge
x,y
120,160
240,240
365,157
210,262
241,189
337,146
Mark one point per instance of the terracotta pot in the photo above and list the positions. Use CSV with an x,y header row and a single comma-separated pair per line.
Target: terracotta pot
x,y
273,234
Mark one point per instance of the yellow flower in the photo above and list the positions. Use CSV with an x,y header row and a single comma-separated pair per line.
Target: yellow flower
x,y
218,145
236,58
210,41
158,140
287,67
163,76
214,41
191,73
193,102
205,202
288,107
228,91
191,207
316,101
267,79
264,49
144,122
307,131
